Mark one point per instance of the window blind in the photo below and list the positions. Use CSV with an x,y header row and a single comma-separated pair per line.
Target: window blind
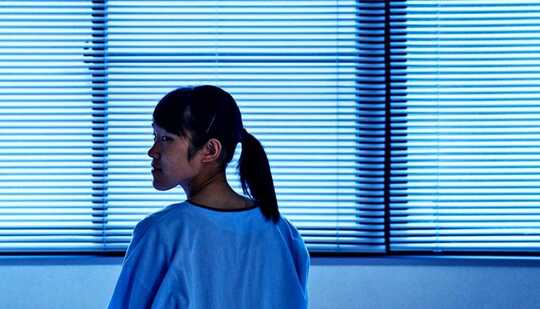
x,y
80,80
49,127
465,126
291,65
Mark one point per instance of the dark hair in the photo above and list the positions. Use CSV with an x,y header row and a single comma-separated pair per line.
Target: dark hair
x,y
206,112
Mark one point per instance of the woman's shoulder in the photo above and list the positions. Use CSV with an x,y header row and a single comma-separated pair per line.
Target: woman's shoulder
x,y
286,225
160,220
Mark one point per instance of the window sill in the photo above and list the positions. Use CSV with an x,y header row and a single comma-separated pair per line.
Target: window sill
x,y
316,260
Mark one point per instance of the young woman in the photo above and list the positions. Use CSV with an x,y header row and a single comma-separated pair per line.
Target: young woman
x,y
217,249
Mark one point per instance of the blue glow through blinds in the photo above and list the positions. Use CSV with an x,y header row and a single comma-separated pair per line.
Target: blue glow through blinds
x,y
292,67
466,126
50,142
81,78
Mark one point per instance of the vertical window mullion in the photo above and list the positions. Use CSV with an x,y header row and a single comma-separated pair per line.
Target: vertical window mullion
x,y
370,102
98,68
395,65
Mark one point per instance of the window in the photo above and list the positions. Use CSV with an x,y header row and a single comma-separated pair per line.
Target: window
x,y
465,126
83,78
392,127
50,153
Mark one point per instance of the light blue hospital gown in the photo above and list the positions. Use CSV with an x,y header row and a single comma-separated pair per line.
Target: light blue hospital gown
x,y
189,256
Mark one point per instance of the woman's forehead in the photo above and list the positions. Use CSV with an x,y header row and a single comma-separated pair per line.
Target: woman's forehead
x,y
162,131
157,128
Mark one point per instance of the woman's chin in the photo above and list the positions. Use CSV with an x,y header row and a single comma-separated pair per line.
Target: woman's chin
x,y
161,186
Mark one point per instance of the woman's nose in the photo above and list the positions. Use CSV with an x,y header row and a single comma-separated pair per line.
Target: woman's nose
x,y
153,151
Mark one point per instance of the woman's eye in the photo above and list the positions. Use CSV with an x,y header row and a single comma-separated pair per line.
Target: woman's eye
x,y
162,138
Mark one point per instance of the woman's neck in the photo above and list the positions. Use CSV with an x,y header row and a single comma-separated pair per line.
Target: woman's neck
x,y
215,192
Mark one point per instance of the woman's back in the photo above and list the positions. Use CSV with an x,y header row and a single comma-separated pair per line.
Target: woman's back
x,y
197,257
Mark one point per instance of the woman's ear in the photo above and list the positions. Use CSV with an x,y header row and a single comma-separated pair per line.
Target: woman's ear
x,y
211,151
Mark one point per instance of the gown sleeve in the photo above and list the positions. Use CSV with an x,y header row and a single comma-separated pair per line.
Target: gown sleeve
x,y
142,271
302,261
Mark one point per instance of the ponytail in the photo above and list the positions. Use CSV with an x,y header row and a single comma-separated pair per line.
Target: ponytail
x,y
255,174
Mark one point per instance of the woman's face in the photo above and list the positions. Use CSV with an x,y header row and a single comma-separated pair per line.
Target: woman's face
x,y
170,164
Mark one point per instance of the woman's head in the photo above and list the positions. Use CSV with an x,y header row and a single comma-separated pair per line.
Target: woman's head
x,y
199,114
207,116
